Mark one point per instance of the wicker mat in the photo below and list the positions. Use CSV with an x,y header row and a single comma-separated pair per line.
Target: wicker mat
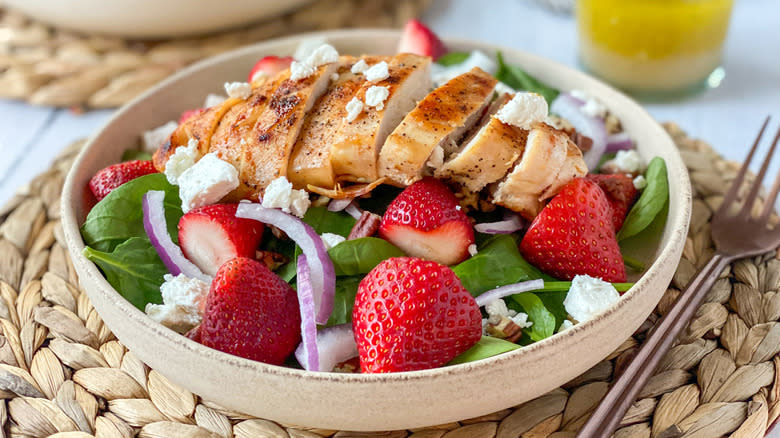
x,y
61,370
49,66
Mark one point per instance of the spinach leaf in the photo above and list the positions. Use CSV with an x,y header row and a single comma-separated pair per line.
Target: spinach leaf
x,y
346,290
134,269
486,347
518,79
452,58
359,256
135,154
650,202
324,221
497,263
119,216
544,320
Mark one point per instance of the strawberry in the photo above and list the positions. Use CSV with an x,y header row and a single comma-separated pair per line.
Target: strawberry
x,y
418,39
574,235
620,192
113,176
426,221
186,115
412,314
211,235
251,312
269,66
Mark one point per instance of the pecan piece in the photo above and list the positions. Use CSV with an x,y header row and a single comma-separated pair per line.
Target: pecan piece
x,y
366,226
273,260
505,329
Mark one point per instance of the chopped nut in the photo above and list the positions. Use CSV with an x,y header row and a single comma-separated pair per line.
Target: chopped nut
x,y
505,329
366,226
582,141
273,260
612,124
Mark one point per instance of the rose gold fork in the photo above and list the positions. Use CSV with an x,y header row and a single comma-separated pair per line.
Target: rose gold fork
x,y
737,234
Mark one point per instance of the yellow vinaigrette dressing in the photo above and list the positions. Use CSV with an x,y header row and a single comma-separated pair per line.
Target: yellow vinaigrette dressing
x,y
648,46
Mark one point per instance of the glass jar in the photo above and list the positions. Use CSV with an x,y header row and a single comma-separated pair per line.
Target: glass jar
x,y
654,48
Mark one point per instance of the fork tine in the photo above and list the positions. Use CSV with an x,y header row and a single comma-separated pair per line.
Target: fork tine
x,y
731,195
769,203
751,197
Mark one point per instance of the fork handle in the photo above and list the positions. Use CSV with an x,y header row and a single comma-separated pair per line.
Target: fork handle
x,y
621,396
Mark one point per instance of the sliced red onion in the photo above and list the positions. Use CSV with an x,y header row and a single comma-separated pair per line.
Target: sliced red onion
x,y
569,108
619,142
323,275
507,226
354,211
335,345
307,352
339,204
510,289
157,230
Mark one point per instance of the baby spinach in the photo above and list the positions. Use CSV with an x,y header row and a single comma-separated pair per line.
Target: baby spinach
x,y
133,268
359,256
119,216
651,202
544,321
452,58
486,347
135,154
324,221
344,300
519,79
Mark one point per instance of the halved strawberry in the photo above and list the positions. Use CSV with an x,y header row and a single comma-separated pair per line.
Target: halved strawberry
x,y
251,312
186,115
426,221
418,39
113,176
574,235
211,235
269,66
620,192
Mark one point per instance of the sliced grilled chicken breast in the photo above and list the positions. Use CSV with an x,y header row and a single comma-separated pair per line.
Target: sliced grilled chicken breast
x,y
549,161
487,155
356,148
310,162
439,120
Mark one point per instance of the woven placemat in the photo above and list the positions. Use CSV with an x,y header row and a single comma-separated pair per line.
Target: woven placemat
x,y
62,370
48,66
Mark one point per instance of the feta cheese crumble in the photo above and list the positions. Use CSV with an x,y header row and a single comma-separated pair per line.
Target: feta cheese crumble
x,y
181,296
238,90
280,194
502,88
359,67
354,108
181,160
213,100
324,54
497,309
627,161
523,110
588,297
565,325
376,96
591,106
154,138
473,249
330,239
206,182
640,182
377,72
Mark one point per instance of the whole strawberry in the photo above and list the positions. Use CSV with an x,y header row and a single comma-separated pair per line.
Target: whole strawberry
x,y
426,221
211,235
251,312
620,192
113,176
412,314
574,235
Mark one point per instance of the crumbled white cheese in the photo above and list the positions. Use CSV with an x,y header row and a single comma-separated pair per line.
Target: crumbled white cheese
x,y
359,67
521,319
354,108
473,249
301,70
213,100
206,182
334,77
502,88
238,90
436,159
330,239
280,194
377,72
307,46
588,297
591,105
628,161
441,74
640,182
376,96
497,309
324,54
181,296
181,160
153,139
523,110
565,325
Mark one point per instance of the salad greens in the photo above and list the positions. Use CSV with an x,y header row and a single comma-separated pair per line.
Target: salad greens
x,y
651,202
359,256
543,319
134,154
486,347
344,300
452,58
519,79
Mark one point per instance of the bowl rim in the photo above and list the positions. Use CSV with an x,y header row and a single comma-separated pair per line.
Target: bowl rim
x,y
75,242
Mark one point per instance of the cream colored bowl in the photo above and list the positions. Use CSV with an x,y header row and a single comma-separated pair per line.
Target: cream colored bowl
x,y
151,18
369,402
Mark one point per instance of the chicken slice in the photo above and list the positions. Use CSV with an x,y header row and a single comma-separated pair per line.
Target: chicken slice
x,y
355,150
488,154
438,121
549,161
310,162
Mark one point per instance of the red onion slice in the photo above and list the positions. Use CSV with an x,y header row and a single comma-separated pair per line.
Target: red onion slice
x,y
307,352
335,345
569,108
354,211
157,230
323,275
507,226
510,289
339,204
619,142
